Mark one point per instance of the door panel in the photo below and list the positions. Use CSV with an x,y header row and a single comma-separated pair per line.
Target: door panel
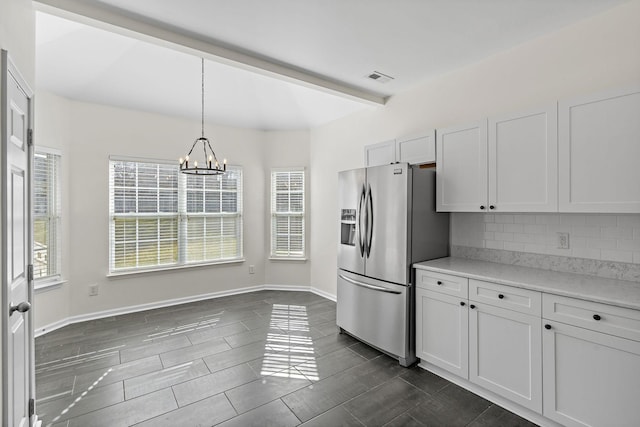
x,y
388,257
16,231
351,189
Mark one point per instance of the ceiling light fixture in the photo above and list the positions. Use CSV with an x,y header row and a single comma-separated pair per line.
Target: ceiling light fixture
x,y
210,166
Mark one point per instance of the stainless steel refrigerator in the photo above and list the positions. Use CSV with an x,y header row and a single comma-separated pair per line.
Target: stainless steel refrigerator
x,y
387,222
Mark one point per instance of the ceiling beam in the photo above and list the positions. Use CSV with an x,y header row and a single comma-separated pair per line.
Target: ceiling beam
x,y
82,11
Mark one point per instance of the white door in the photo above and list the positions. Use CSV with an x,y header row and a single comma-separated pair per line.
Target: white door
x,y
382,153
417,150
590,378
505,353
461,167
17,337
523,162
599,148
442,331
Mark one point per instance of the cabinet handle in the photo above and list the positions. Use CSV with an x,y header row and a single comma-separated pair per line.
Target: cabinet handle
x,y
547,326
491,207
482,207
596,317
500,296
472,306
439,282
462,303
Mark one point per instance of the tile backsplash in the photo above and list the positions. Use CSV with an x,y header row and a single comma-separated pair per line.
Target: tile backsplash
x,y
605,237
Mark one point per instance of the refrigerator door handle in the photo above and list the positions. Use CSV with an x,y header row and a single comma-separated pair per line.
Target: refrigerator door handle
x,y
369,199
368,286
361,229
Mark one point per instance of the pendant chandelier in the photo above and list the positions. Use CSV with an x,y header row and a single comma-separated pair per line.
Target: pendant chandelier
x,y
210,165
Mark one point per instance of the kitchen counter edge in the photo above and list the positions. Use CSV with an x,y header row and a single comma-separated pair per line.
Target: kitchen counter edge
x,y
621,293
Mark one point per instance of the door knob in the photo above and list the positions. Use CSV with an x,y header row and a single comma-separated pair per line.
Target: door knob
x,y
23,307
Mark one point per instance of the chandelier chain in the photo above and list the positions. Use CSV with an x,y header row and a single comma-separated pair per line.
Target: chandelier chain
x,y
202,97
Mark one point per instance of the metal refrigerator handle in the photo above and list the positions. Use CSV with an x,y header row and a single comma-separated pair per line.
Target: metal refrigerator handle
x,y
369,221
368,286
361,206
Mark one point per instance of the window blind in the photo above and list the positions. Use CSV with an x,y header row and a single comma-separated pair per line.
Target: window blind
x,y
287,213
46,214
160,217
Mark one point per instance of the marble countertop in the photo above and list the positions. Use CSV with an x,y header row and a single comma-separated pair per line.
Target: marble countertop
x,y
609,291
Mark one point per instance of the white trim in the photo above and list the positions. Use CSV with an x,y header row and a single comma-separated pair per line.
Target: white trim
x,y
323,294
118,158
47,150
176,301
48,285
284,258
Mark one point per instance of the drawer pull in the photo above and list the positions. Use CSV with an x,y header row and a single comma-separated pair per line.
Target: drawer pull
x,y
472,306
547,326
596,317
492,207
462,303
501,296
439,282
482,207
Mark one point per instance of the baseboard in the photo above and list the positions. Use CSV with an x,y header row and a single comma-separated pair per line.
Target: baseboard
x,y
176,301
323,294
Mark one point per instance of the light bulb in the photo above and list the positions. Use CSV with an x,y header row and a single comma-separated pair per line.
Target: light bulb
x,y
195,163
181,160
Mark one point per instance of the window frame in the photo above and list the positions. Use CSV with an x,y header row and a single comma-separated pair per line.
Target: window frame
x,y
275,214
53,215
181,215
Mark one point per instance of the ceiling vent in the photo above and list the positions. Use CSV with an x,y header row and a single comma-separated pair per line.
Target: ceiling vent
x,y
379,77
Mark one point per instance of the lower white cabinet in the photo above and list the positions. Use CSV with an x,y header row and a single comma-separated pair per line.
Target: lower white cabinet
x,y
505,353
442,331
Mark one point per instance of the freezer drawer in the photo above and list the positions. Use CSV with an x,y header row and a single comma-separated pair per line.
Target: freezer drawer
x,y
378,313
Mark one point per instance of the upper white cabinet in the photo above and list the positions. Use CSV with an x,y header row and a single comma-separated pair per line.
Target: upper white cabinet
x,y
599,148
510,165
382,153
523,162
461,168
413,150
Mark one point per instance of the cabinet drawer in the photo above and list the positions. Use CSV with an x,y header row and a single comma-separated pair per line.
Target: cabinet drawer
x,y
509,297
443,283
618,321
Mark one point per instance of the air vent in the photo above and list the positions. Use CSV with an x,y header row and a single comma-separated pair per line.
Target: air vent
x,y
379,77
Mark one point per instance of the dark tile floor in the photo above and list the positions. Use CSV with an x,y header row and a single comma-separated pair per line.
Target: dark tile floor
x,y
266,358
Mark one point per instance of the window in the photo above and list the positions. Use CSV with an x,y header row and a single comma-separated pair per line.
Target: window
x,y
162,218
46,215
287,213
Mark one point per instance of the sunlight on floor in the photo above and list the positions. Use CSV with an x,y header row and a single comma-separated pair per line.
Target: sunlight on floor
x,y
289,354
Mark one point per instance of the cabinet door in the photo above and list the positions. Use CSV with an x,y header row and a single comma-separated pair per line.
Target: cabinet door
x,y
418,150
505,353
590,378
523,162
461,168
442,331
599,148
382,153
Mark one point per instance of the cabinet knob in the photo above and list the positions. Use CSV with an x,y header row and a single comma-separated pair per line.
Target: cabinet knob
x,y
491,207
462,303
500,296
439,282
547,326
482,207
472,306
596,317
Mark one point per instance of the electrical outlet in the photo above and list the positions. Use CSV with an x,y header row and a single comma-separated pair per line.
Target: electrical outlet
x,y
252,269
93,290
563,240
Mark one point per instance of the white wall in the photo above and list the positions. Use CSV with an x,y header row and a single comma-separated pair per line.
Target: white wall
x,y
285,149
52,130
17,36
596,54
87,134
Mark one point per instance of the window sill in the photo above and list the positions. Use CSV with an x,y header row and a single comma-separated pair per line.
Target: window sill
x,y
282,258
39,288
125,273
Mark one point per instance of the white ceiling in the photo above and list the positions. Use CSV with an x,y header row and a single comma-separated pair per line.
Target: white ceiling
x,y
337,41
